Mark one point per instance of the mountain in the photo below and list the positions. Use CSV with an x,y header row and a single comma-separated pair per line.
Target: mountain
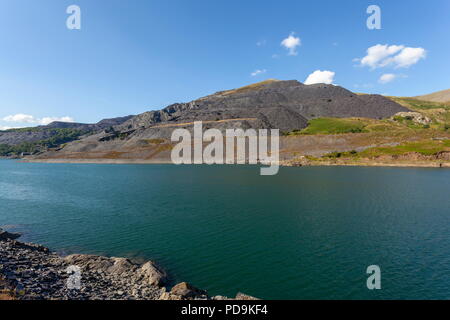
x,y
14,141
284,105
101,125
439,96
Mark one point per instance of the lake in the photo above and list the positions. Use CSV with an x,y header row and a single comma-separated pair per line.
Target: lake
x,y
307,233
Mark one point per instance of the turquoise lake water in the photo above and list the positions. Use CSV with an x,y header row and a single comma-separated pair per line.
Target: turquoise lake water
x,y
307,233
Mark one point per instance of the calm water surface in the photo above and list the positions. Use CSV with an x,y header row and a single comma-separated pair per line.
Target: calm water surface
x,y
307,233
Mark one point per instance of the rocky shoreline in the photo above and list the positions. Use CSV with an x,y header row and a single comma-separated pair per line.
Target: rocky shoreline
x,y
32,272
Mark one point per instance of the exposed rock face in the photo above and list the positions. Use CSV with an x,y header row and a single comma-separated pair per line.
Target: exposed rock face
x,y
152,274
444,155
185,290
414,116
4,235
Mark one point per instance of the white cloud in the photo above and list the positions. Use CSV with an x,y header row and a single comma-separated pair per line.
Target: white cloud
x,y
387,77
4,128
291,43
20,117
409,56
377,55
397,56
26,118
258,72
47,120
319,76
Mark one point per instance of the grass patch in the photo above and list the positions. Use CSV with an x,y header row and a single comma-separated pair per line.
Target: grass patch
x,y
424,147
333,126
416,104
337,155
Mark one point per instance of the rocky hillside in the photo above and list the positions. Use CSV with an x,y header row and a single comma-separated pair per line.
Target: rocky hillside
x,y
35,139
284,105
440,96
33,134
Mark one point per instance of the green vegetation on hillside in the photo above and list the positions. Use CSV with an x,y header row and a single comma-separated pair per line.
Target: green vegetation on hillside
x,y
59,137
438,112
333,126
409,122
28,129
423,147
418,105
350,125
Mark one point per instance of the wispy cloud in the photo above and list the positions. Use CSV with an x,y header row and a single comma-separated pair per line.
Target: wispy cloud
x,y
20,117
26,118
319,76
291,43
261,43
258,72
389,77
397,56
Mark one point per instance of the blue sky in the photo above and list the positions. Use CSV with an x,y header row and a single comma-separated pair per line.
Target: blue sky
x,y
140,55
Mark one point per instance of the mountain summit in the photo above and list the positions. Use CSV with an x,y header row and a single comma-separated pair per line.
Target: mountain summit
x,y
285,105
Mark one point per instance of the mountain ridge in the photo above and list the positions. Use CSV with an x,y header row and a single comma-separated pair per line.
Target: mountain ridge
x,y
271,102
42,134
438,96
274,104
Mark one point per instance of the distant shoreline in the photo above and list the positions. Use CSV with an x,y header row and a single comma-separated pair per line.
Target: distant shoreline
x,y
96,161
289,163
